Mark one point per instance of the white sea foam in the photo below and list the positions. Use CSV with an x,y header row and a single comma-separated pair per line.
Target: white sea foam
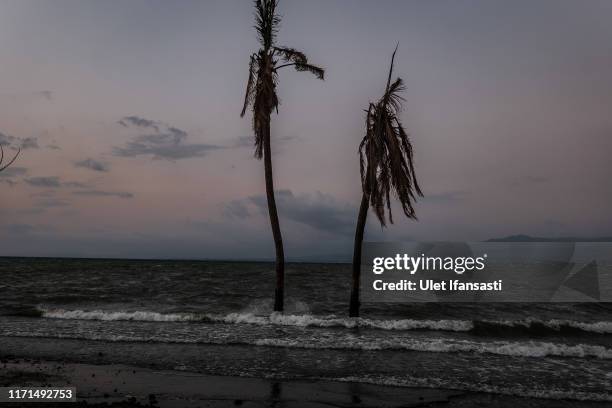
x,y
333,321
302,320
143,316
600,327
308,320
367,340
515,349
594,327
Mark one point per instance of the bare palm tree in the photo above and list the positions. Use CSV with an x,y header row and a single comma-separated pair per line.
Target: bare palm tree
x,y
261,96
386,165
2,158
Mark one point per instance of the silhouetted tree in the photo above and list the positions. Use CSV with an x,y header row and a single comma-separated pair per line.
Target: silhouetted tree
x,y
261,96
386,165
2,158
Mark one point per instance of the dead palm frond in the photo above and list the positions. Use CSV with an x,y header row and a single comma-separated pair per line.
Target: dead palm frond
x,y
386,157
260,92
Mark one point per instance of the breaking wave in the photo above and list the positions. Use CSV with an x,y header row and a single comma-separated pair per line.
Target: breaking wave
x,y
366,343
506,348
485,327
303,320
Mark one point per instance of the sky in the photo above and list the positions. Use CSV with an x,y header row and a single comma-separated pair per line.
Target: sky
x,y
132,143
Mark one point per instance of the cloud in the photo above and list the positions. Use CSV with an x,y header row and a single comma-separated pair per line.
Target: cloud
x,y
165,142
318,210
128,121
16,142
44,181
236,209
8,174
6,140
54,182
13,171
29,143
100,193
92,164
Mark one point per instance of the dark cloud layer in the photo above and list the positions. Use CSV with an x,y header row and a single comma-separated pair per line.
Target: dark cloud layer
x,y
53,182
236,209
165,142
319,211
92,164
13,171
16,142
128,121
100,193
29,143
44,181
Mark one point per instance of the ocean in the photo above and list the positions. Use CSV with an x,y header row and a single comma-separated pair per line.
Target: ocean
x,y
215,318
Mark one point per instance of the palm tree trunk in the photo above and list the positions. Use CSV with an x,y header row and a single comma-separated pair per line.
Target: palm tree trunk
x,y
361,221
276,232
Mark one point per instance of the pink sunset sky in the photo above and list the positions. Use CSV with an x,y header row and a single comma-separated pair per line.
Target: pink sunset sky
x,y
128,114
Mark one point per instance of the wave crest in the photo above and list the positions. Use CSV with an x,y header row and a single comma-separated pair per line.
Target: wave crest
x,y
303,320
486,327
505,348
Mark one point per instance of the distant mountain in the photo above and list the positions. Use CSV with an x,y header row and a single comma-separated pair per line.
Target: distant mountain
x,y
527,238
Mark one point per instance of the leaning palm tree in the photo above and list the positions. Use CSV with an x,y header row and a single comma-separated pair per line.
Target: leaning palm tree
x,y
261,97
386,166
2,158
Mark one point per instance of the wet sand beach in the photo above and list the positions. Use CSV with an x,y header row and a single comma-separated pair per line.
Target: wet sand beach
x,y
119,386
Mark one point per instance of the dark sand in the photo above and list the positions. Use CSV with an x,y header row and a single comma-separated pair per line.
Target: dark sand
x,y
124,386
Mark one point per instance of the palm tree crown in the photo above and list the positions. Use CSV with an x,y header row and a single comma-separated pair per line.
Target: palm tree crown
x,y
385,152
263,69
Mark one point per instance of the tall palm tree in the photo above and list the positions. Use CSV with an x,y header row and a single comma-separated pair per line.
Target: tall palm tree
x,y
261,96
386,165
2,158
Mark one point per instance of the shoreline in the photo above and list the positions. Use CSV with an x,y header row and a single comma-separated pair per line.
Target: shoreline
x,y
129,386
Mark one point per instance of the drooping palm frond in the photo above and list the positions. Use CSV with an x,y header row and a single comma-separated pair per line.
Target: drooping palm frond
x,y
250,89
291,55
313,69
2,158
298,60
260,91
386,156
266,22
